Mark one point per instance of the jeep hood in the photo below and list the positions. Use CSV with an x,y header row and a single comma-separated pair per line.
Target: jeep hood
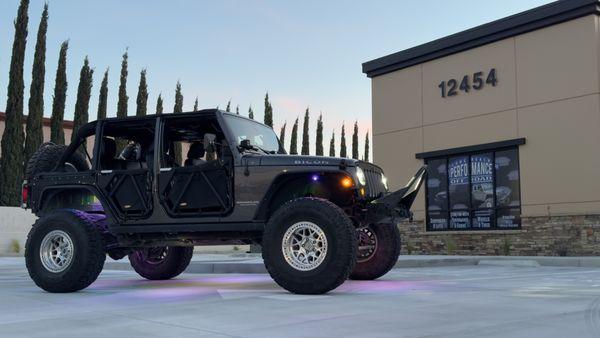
x,y
302,160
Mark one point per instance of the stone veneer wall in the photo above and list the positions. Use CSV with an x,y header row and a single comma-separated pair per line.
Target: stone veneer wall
x,y
539,236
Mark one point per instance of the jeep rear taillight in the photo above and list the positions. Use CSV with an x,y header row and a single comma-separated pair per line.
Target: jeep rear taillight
x,y
24,195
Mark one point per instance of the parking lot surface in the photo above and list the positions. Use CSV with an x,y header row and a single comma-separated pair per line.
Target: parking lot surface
x,y
464,301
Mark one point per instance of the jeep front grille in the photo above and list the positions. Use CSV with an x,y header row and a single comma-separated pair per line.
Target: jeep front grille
x,y
374,186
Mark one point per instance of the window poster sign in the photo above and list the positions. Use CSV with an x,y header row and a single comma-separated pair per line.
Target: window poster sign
x,y
459,219
482,183
508,218
482,219
437,185
474,191
507,179
482,189
437,194
458,186
438,220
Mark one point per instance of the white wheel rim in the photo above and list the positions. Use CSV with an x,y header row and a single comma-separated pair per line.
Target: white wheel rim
x,y
56,251
304,246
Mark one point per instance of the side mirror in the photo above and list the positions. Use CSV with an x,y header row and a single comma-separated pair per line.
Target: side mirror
x,y
246,145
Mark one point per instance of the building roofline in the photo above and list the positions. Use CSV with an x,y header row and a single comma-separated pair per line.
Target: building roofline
x,y
533,19
45,121
471,149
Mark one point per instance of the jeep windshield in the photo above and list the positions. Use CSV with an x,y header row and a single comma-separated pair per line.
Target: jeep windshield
x,y
259,135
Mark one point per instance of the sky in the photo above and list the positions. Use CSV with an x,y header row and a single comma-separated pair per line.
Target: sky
x,y
304,53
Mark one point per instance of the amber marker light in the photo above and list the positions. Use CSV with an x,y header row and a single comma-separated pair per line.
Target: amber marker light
x,y
346,182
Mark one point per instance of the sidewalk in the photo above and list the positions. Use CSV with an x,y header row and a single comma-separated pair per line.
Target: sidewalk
x,y
252,263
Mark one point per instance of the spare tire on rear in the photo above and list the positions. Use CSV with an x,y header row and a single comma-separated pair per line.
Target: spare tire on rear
x,y
46,158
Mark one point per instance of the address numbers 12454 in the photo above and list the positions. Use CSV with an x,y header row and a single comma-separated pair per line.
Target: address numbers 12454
x,y
468,82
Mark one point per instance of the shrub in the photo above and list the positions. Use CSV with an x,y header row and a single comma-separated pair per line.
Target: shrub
x,y
14,247
506,246
450,245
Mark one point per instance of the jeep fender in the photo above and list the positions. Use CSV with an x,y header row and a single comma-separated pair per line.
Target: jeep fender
x,y
61,197
314,183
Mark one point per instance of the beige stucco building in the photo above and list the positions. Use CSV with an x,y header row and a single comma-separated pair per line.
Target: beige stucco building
x,y
67,126
507,116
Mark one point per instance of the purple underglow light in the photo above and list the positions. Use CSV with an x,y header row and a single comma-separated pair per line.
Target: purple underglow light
x,y
314,178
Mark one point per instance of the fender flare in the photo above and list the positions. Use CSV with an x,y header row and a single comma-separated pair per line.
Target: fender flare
x,y
110,214
278,185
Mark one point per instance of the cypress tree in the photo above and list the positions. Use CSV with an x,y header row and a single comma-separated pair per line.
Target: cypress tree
x,y
11,162
282,134
159,105
103,98
343,143
355,141
33,135
84,92
178,108
305,139
319,138
142,96
268,111
332,145
294,139
196,104
123,98
57,133
366,158
237,110
228,108
250,113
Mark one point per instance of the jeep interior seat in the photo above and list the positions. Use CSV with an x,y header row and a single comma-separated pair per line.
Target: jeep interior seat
x,y
109,151
129,158
195,154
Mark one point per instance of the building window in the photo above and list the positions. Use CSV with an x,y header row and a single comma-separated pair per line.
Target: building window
x,y
474,191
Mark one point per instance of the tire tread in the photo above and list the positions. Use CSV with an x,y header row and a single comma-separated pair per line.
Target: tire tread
x,y
96,254
342,264
382,262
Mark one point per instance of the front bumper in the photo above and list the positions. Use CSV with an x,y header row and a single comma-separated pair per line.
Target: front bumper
x,y
396,205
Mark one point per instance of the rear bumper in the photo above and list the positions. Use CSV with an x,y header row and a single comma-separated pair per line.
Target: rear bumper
x,y
396,206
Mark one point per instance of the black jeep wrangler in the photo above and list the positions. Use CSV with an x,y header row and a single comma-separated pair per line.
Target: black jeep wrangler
x,y
319,220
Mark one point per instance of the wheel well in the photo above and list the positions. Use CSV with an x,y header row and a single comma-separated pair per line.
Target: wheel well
x,y
326,185
77,198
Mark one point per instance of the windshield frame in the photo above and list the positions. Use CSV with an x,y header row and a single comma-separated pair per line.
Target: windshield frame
x,y
233,137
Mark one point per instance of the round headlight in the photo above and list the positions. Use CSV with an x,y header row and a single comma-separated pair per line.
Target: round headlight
x,y
384,181
360,175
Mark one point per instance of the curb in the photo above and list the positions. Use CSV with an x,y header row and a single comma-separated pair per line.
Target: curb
x,y
256,266
530,263
434,262
201,267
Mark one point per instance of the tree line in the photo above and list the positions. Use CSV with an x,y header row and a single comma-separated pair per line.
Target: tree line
x,y
18,145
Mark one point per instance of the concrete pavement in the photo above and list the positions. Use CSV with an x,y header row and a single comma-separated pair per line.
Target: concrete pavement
x,y
454,301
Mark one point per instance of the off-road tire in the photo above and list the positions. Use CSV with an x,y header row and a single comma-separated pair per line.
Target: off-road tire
x,y
385,256
88,251
46,158
340,256
176,261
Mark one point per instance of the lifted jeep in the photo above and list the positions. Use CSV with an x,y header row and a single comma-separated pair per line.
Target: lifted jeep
x,y
319,220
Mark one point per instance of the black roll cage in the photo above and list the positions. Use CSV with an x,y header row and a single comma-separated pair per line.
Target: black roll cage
x,y
97,128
